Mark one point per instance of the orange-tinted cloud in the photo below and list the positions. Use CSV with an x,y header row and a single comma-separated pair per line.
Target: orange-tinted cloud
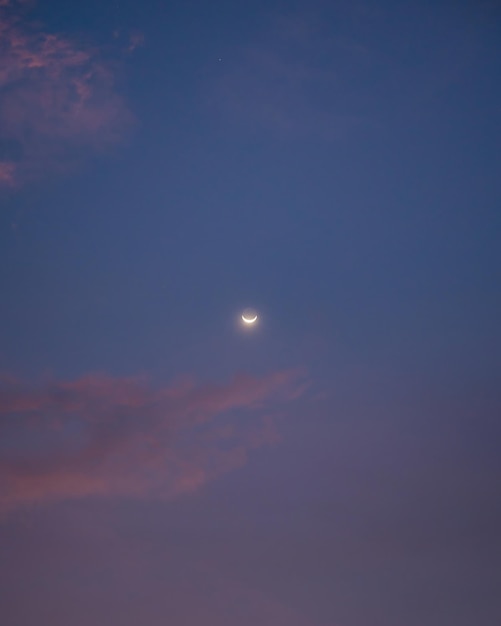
x,y
59,101
100,435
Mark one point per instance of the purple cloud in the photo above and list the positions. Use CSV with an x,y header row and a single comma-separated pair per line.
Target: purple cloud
x,y
59,101
99,435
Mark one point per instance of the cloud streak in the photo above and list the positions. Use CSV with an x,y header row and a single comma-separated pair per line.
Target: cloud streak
x,y
289,80
58,101
105,436
325,72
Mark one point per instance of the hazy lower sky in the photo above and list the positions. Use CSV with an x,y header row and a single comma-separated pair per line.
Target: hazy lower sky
x,y
336,167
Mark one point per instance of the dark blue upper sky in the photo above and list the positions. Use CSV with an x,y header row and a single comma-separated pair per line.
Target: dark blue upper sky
x,y
337,167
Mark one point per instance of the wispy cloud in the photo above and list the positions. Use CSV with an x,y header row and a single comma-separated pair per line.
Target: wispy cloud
x,y
292,79
327,71
58,100
246,604
99,435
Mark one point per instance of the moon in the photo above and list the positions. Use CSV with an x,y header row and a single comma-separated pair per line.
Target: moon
x,y
249,317
248,320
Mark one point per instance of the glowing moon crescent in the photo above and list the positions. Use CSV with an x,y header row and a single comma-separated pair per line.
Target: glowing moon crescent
x,y
249,321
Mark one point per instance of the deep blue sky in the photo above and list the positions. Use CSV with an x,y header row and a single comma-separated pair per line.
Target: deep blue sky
x,y
337,167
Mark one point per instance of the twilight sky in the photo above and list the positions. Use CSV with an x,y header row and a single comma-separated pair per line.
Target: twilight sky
x,y
336,166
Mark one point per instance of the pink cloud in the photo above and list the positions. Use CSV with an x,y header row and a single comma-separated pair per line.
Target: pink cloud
x,y
206,590
98,435
59,101
136,40
7,171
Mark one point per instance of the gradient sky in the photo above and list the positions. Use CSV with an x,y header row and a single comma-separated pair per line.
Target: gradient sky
x,y
335,165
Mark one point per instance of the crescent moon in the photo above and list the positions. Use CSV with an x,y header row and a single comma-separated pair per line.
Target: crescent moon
x,y
249,321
